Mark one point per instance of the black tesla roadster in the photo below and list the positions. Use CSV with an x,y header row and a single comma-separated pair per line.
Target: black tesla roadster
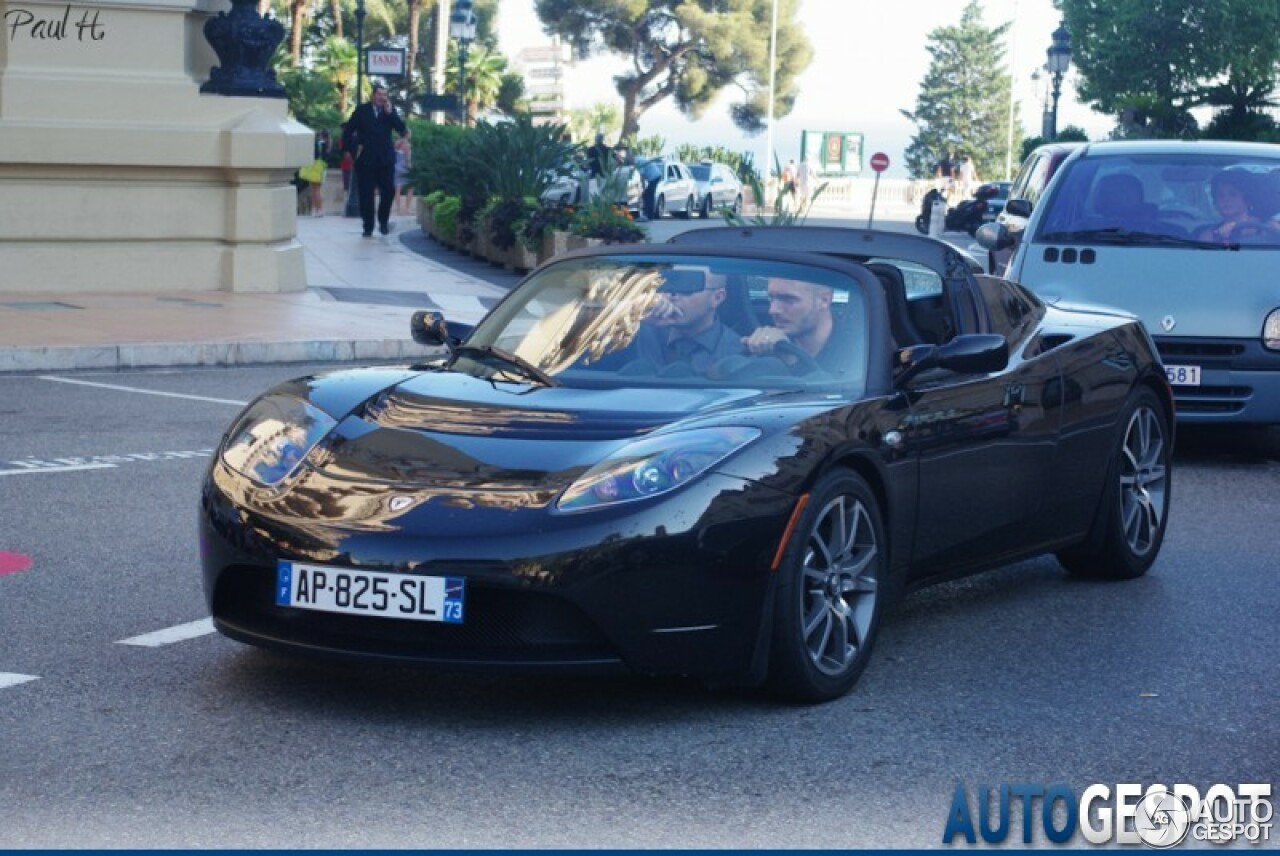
x,y
724,457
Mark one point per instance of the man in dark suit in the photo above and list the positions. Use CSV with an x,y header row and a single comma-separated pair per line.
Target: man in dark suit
x,y
368,137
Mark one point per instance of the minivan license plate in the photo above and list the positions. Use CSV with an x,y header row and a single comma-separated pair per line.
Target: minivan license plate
x,y
357,592
1183,375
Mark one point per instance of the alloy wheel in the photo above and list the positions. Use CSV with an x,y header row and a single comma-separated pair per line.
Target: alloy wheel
x,y
1143,480
840,584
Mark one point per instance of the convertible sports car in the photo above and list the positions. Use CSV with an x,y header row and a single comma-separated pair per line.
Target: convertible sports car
x,y
573,487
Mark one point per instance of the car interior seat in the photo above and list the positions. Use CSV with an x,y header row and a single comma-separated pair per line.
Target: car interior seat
x,y
736,311
903,326
1120,200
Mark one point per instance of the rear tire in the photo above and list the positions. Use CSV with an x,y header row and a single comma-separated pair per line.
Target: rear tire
x,y
737,204
831,591
689,205
659,207
1134,506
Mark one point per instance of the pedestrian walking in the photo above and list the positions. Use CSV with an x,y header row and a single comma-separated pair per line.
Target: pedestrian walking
x,y
368,137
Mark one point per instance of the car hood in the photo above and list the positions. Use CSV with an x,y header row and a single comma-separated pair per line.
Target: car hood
x,y
1175,292
454,431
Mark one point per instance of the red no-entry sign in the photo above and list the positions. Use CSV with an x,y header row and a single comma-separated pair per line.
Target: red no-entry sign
x,y
879,161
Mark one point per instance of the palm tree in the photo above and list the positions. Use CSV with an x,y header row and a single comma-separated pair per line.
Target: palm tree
x,y
299,11
484,77
336,63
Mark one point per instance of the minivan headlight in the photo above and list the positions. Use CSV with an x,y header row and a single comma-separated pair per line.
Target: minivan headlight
x,y
273,436
1271,331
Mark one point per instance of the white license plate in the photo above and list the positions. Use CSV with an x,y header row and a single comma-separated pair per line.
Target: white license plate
x,y
1183,375
356,592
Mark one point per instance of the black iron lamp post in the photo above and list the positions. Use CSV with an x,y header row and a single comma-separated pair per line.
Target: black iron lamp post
x,y
1059,61
462,26
353,194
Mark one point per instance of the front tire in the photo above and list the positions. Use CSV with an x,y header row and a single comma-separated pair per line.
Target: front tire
x,y
705,211
689,205
1135,500
831,591
659,207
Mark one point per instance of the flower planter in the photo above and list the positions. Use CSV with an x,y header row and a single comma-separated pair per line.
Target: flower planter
x,y
521,259
578,242
554,243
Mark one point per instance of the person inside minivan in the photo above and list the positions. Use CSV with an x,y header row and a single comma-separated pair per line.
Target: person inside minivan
x,y
1237,197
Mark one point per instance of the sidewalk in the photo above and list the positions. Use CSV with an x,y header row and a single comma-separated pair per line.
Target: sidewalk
x,y
330,320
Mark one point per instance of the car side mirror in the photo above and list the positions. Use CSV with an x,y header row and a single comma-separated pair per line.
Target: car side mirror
x,y
429,328
977,353
1018,207
994,236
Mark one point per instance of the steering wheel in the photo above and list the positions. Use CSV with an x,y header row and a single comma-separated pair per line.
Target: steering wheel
x,y
801,362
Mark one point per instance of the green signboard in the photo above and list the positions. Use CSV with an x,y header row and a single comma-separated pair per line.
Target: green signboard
x,y
832,153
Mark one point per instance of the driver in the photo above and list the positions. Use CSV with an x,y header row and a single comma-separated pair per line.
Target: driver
x,y
683,326
801,314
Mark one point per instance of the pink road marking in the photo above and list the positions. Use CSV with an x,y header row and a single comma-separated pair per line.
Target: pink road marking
x,y
11,563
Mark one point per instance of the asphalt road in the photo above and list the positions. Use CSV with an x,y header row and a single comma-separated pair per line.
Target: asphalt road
x,y
1020,675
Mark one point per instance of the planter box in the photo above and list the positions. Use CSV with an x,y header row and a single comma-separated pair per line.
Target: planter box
x,y
577,242
554,243
521,259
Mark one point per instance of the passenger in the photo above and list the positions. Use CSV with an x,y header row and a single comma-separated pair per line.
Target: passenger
x,y
801,315
683,326
1233,195
1120,202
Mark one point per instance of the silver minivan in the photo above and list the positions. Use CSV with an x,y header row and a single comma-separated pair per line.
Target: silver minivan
x,y
1185,235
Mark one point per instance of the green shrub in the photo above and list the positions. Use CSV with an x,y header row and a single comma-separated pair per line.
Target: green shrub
x,y
446,215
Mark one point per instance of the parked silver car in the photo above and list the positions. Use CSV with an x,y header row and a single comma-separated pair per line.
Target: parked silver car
x,y
677,191
567,190
718,188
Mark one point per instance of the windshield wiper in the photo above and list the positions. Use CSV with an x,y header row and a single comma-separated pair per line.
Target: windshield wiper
x,y
526,368
1120,235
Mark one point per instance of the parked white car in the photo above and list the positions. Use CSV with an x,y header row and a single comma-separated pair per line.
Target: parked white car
x,y
718,188
676,193
567,190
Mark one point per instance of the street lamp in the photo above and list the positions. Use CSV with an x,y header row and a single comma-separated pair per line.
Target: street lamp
x,y
359,51
352,208
462,26
1059,60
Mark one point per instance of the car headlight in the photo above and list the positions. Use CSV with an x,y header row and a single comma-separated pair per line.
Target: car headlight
x,y
1271,331
653,466
273,436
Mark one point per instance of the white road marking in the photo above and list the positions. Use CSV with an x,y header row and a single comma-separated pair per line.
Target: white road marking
x,y
143,391
169,635
75,463
12,679
66,469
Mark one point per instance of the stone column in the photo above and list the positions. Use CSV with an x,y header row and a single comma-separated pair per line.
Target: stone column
x,y
117,174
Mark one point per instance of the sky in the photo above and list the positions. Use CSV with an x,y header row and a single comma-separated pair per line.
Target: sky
x,y
868,61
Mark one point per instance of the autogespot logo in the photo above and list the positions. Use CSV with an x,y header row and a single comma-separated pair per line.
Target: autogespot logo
x,y
1157,816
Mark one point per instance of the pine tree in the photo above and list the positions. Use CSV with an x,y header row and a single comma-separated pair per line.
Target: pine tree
x,y
963,103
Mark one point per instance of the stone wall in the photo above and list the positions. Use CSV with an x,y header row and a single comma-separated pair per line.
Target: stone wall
x,y
116,174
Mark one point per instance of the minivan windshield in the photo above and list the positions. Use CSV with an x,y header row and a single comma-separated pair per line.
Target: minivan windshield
x,y
1177,199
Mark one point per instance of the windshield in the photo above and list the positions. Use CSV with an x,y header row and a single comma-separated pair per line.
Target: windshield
x,y
657,320
701,173
1183,199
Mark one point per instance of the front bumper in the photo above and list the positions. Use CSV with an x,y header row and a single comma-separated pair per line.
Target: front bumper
x,y
677,585
1239,380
